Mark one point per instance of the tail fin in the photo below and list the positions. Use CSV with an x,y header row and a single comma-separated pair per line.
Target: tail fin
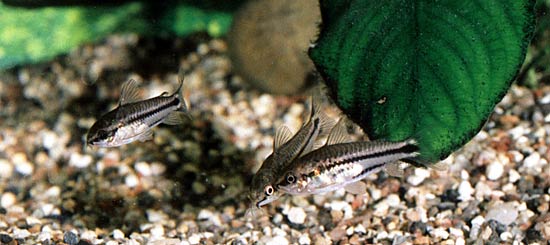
x,y
179,94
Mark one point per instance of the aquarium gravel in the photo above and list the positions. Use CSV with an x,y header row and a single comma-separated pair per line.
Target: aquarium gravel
x,y
188,185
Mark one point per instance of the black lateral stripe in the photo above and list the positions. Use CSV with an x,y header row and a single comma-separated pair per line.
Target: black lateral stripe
x,y
408,148
370,169
148,113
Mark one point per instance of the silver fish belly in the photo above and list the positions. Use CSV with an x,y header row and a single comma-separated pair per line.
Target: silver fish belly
x,y
133,120
335,166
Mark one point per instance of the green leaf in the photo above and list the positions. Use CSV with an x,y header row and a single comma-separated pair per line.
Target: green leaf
x,y
431,70
29,35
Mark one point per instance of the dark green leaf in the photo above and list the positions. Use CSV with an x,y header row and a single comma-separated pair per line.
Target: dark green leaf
x,y
431,70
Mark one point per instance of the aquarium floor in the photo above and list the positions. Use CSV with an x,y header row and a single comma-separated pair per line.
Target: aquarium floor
x,y
189,184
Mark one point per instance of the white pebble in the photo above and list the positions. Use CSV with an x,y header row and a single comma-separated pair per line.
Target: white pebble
x,y
349,231
22,165
131,180
143,168
111,243
420,174
194,239
342,206
460,241
296,215
157,169
155,216
505,236
20,233
277,240
47,209
88,235
31,221
360,229
494,171
6,169
53,191
532,161
456,232
44,235
439,233
49,139
7,200
381,209
277,218
375,194
504,213
80,161
465,191
393,200
118,234
513,176
157,231
304,240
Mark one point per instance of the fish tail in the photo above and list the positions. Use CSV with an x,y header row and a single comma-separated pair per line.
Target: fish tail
x,y
179,92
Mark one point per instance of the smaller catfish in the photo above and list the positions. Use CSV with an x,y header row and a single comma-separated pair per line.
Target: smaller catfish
x,y
341,164
133,120
285,149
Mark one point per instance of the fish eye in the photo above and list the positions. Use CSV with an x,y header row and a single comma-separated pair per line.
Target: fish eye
x,y
290,178
269,190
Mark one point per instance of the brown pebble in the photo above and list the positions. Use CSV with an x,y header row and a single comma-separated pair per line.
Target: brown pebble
x,y
412,215
509,121
236,223
421,240
320,240
357,202
336,215
354,240
337,234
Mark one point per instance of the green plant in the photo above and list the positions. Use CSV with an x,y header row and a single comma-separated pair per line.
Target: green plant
x,y
29,35
431,70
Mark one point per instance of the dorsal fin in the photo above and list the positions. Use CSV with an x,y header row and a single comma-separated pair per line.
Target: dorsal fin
x,y
129,92
338,134
317,112
282,136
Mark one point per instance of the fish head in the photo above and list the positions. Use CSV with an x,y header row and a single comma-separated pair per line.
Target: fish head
x,y
101,134
291,184
262,191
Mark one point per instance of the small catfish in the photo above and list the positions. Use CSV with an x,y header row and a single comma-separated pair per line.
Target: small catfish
x,y
133,120
341,164
285,148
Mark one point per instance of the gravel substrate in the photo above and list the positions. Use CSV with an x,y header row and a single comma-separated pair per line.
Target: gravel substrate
x,y
188,185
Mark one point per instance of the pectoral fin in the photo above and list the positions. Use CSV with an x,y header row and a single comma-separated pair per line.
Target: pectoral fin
x,y
395,169
356,188
175,118
146,136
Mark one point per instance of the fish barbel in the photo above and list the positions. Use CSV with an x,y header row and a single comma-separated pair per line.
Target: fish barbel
x,y
133,120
